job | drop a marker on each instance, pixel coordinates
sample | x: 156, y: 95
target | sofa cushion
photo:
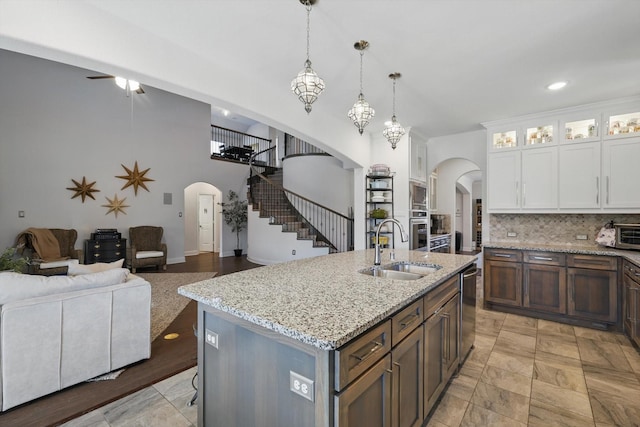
x: 16, y: 286
x: 56, y: 264
x: 148, y: 254
x: 78, y: 269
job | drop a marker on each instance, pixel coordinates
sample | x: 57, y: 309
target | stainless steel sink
x: 391, y: 274
x: 402, y: 270
x: 412, y: 267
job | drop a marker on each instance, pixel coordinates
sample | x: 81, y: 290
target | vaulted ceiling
x: 463, y: 62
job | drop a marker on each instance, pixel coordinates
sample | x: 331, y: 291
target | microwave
x: 418, y: 198
x: 628, y: 236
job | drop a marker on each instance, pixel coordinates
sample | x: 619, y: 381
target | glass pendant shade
x: 307, y: 86
x: 393, y: 132
x: 361, y: 113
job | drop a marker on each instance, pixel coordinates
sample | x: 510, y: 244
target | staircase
x: 269, y: 198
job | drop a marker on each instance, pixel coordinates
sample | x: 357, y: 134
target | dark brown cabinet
x: 503, y: 277
x: 104, y: 250
x: 367, y: 401
x: 573, y: 288
x: 592, y: 287
x: 545, y: 282
x: 407, y: 381
x: 441, y: 352
x: 631, y: 319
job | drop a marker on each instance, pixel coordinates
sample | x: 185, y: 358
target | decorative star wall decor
x: 83, y: 189
x: 135, y: 177
x: 115, y: 205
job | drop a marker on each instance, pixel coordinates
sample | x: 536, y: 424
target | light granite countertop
x: 322, y: 301
x: 633, y: 256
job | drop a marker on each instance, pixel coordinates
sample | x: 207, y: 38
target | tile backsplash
x: 552, y: 228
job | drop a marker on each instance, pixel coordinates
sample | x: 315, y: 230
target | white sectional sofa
x: 57, y: 331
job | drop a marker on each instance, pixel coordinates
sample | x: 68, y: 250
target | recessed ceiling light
x: 556, y: 85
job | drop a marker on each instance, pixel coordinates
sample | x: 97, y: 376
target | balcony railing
x: 296, y: 147
x: 229, y: 144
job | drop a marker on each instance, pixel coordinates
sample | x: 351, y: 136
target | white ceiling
x: 463, y: 62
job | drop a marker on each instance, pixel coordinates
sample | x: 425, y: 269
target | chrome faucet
x: 404, y: 236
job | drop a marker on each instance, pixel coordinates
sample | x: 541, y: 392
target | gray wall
x: 56, y: 125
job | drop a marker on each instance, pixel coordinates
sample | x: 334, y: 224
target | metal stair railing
x: 328, y: 226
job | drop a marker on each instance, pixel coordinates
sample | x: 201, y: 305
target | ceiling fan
x: 126, y: 84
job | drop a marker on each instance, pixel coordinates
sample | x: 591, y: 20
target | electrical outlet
x: 581, y: 237
x: 20, y: 214
x: 511, y: 234
x: 211, y: 338
x: 301, y: 385
x: 293, y: 252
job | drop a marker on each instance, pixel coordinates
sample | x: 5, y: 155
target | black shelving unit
x: 477, y: 223
x: 379, y: 194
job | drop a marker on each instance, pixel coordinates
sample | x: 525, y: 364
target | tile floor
x: 522, y: 372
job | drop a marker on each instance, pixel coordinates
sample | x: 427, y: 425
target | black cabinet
x: 104, y: 250
x: 379, y: 189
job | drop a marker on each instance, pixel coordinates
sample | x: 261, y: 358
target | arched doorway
x: 458, y: 182
x: 202, y: 219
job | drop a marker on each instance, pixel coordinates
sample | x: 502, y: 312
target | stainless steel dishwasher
x: 467, y: 311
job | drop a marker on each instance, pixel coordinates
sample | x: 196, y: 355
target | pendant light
x: 361, y: 112
x: 307, y: 85
x: 393, y: 130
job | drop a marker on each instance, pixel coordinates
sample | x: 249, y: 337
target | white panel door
x: 205, y: 222
x: 503, y: 181
x: 579, y: 176
x: 621, y: 173
x: 540, y: 178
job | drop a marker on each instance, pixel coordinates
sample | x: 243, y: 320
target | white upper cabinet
x: 582, y: 159
x: 503, y: 180
x: 418, y: 160
x: 579, y: 183
x: 621, y: 174
x: 539, y: 178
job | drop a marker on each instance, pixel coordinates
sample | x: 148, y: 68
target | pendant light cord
x: 361, y: 56
x: 308, y: 24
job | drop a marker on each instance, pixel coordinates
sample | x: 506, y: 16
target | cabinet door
x: 579, y: 176
x: 367, y: 401
x: 503, y: 181
x: 539, y: 178
x: 593, y: 294
x: 451, y: 313
x: 434, y: 352
x: 503, y: 282
x: 635, y: 314
x: 629, y: 299
x: 621, y: 173
x: 545, y: 288
x: 407, y: 381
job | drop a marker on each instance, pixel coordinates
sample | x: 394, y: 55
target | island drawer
x: 406, y: 320
x: 510, y: 255
x: 594, y: 262
x: 545, y: 258
x: 361, y: 353
x: 440, y: 295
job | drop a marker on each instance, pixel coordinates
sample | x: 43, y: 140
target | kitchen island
x: 302, y: 343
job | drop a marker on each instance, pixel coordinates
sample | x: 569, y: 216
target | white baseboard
x: 175, y: 260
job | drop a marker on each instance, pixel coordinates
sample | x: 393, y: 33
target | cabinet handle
x: 543, y: 258
x: 404, y: 323
x: 524, y: 194
x: 368, y: 352
x: 96, y: 246
x: 597, y: 190
x: 517, y: 191
x: 502, y: 255
x: 607, y: 191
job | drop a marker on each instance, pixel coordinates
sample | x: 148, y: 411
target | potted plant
x: 10, y: 262
x: 235, y: 215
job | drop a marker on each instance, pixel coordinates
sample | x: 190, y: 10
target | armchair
x: 66, y: 241
x: 145, y: 248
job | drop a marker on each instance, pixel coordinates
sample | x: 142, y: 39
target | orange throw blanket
x: 44, y: 243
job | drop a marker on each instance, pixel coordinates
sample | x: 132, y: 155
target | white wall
x: 321, y: 179
x: 56, y: 125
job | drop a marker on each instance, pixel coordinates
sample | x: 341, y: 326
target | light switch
x: 20, y: 214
